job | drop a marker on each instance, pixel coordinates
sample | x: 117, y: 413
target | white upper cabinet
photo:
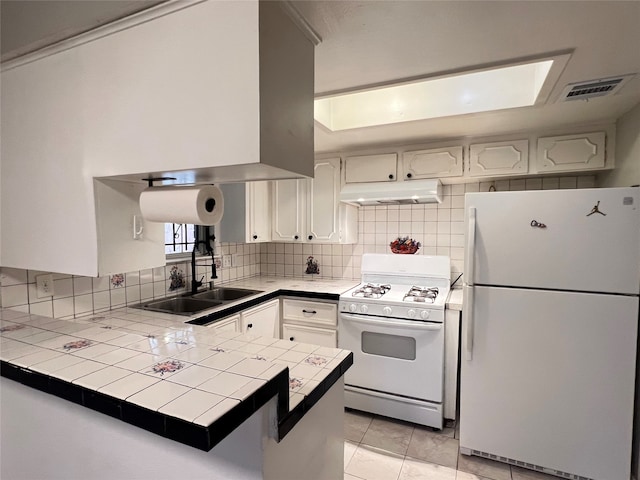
x: 310, y: 210
x: 371, y: 168
x: 568, y: 153
x: 432, y: 163
x: 247, y: 213
x: 499, y: 158
x: 289, y: 203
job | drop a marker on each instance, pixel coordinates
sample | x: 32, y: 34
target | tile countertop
x: 185, y: 382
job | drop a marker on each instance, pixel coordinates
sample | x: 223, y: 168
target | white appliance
x: 393, y: 322
x: 550, y: 316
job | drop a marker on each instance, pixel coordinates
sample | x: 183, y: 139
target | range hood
x: 392, y: 193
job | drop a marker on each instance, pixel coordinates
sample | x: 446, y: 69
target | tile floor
x: 380, y: 448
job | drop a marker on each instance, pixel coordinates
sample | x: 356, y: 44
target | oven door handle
x: 416, y: 325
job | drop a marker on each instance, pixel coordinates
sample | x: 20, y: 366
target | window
x: 179, y: 238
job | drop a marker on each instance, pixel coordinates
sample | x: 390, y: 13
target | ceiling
x: 371, y: 43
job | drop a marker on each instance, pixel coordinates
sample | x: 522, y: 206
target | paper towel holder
x: 157, y: 179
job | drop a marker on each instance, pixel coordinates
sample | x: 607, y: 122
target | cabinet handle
x: 255, y: 237
x: 312, y: 312
x: 250, y: 325
x: 391, y: 176
x: 310, y: 237
x: 409, y: 175
x: 291, y: 338
x: 296, y: 237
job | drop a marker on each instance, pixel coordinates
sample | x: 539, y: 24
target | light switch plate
x: 44, y: 285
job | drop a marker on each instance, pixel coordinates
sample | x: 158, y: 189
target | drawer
x: 315, y: 336
x: 319, y: 313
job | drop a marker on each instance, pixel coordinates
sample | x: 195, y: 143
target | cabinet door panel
x: 324, y: 203
x: 371, y: 168
x: 259, y: 226
x: 567, y: 153
x: 288, y: 208
x: 499, y: 158
x: 314, y: 336
x: 262, y: 320
x: 229, y: 324
x: 433, y: 163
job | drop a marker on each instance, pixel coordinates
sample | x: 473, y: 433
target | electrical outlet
x: 226, y: 261
x: 44, y: 285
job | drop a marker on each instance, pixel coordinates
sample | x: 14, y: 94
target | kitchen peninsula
x: 168, y: 386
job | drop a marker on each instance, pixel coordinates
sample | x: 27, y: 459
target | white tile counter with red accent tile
x: 185, y: 382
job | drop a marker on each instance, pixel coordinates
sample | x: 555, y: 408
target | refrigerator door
x: 551, y: 239
x: 551, y: 380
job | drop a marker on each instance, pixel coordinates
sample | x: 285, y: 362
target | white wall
x: 627, y: 170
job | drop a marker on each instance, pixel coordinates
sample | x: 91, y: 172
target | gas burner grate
x: 371, y: 290
x: 419, y: 294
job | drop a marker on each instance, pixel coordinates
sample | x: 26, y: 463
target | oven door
x: 400, y: 357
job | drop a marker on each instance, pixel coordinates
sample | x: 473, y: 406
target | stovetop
x: 420, y: 296
x: 404, y: 287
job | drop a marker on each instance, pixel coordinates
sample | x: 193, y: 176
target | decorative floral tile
x: 12, y: 328
x: 316, y: 361
x: 176, y: 276
x: 76, y: 345
x: 166, y: 367
x: 117, y: 280
x: 295, y: 384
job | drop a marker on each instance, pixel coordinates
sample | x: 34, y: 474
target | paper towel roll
x: 199, y: 204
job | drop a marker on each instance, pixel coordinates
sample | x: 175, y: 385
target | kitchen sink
x: 188, y: 303
x: 179, y: 305
x: 225, y: 294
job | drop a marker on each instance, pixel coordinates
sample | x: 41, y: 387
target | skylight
x: 480, y: 91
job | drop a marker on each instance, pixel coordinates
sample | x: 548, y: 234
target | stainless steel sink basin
x: 225, y: 294
x: 179, y: 305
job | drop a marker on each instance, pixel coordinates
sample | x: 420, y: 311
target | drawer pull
x: 250, y: 325
x: 291, y: 338
x: 311, y: 312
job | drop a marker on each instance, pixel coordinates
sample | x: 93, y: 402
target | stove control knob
x: 353, y: 307
x: 424, y: 314
x: 386, y: 310
x: 364, y: 309
x: 411, y: 313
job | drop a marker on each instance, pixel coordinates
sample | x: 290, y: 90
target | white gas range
x: 394, y: 324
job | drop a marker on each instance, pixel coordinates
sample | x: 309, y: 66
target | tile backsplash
x: 439, y: 228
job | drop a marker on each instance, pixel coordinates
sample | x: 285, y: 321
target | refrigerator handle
x: 469, y: 262
x: 467, y: 320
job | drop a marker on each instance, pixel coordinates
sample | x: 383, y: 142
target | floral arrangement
x: 404, y: 245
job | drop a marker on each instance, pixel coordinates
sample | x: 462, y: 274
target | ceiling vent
x: 594, y: 88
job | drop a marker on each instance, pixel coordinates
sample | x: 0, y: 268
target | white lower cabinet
x: 316, y: 336
x: 310, y: 321
x: 261, y: 320
x: 229, y: 324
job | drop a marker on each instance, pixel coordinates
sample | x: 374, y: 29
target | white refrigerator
x: 550, y: 319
